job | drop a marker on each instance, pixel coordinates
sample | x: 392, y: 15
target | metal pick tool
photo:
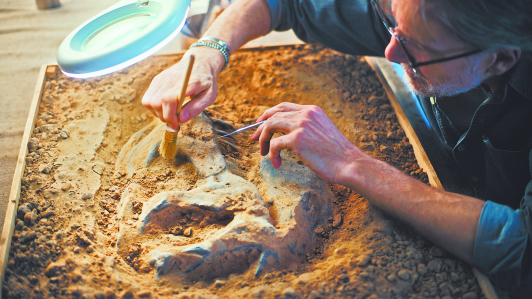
x: 242, y: 129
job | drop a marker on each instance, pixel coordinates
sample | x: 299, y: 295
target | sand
x: 65, y: 243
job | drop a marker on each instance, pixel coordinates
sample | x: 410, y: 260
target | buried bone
x: 233, y: 229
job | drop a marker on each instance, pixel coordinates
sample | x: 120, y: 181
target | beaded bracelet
x: 218, y: 41
x: 214, y: 45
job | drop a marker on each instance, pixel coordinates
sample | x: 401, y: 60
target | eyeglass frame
x: 411, y: 60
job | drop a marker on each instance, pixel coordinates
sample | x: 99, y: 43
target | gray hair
x: 487, y: 24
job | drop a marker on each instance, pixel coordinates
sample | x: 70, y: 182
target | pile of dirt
x: 65, y: 241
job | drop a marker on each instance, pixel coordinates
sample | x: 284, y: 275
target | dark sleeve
x: 502, y: 244
x: 348, y: 26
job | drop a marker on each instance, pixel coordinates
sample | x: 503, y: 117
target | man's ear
x: 504, y: 59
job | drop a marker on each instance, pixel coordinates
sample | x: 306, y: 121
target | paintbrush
x: 168, y: 147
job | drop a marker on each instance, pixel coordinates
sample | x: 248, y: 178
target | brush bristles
x: 168, y: 147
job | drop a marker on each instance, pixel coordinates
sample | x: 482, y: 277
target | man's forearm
x: 449, y: 220
x: 241, y: 22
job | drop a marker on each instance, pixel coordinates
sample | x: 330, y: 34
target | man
x: 468, y: 61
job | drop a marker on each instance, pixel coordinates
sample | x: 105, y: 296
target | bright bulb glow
x: 105, y: 39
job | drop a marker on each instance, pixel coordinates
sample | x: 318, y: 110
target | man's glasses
x: 411, y: 60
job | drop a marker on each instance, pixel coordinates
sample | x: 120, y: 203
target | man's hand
x: 161, y: 96
x: 311, y: 135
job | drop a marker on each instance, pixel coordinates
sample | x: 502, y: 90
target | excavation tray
x: 397, y: 93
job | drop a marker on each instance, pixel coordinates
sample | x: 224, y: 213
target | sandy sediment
x: 86, y: 195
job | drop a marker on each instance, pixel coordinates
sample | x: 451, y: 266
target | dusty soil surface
x: 64, y: 245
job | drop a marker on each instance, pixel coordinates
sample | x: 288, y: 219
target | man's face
x: 428, y: 39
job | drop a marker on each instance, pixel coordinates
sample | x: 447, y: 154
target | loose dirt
x: 65, y: 242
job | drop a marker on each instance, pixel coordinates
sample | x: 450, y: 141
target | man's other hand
x: 310, y: 134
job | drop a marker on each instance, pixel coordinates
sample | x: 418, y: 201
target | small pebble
x: 363, y: 260
x: 127, y: 294
x: 47, y: 194
x: 64, y: 134
x: 403, y: 274
x: 422, y: 269
x: 144, y: 294
x: 30, y: 218
x: 454, y: 276
x: 187, y: 232
x: 33, y: 144
x: 53, y: 270
x: 290, y: 293
x: 219, y: 283
x: 392, y: 277
x: 434, y: 266
x: 23, y: 209
x: 46, y: 170
x: 86, y: 196
x: 319, y: 230
x: 66, y: 186
x: 337, y: 221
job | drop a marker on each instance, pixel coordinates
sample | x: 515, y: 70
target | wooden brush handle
x: 183, y: 90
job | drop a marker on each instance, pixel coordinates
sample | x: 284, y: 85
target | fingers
x: 283, y: 107
x: 276, y: 146
x: 281, y: 124
x: 197, y: 105
x: 169, y: 108
x: 161, y: 98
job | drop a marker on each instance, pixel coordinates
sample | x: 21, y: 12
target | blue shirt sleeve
x: 502, y: 249
x: 351, y: 27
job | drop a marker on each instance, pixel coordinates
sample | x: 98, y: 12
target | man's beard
x: 452, y: 85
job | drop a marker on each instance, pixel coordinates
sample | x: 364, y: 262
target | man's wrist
x: 214, y: 43
x: 214, y: 56
x: 349, y: 170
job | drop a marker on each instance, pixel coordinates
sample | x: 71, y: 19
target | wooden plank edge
x: 386, y: 75
x: 14, y: 195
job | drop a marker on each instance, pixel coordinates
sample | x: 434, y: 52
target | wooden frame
x: 14, y: 195
x: 391, y: 82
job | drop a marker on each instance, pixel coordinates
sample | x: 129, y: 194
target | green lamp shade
x: 120, y: 36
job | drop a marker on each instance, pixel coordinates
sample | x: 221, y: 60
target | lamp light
x: 120, y: 36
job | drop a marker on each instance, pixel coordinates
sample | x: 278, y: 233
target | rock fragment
x: 403, y: 274
x: 46, y: 170
x: 376, y: 101
x: 66, y: 186
x: 33, y: 144
x: 86, y: 196
x: 30, y: 218
x: 23, y: 209
x: 219, y: 283
x: 64, y: 134
x: 290, y: 293
x: 363, y: 260
x: 319, y: 231
x: 337, y: 221
x: 53, y: 270
x: 434, y: 266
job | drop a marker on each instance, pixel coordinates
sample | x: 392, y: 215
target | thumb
x: 195, y: 106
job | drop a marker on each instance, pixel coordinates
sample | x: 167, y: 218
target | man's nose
x: 394, y: 52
